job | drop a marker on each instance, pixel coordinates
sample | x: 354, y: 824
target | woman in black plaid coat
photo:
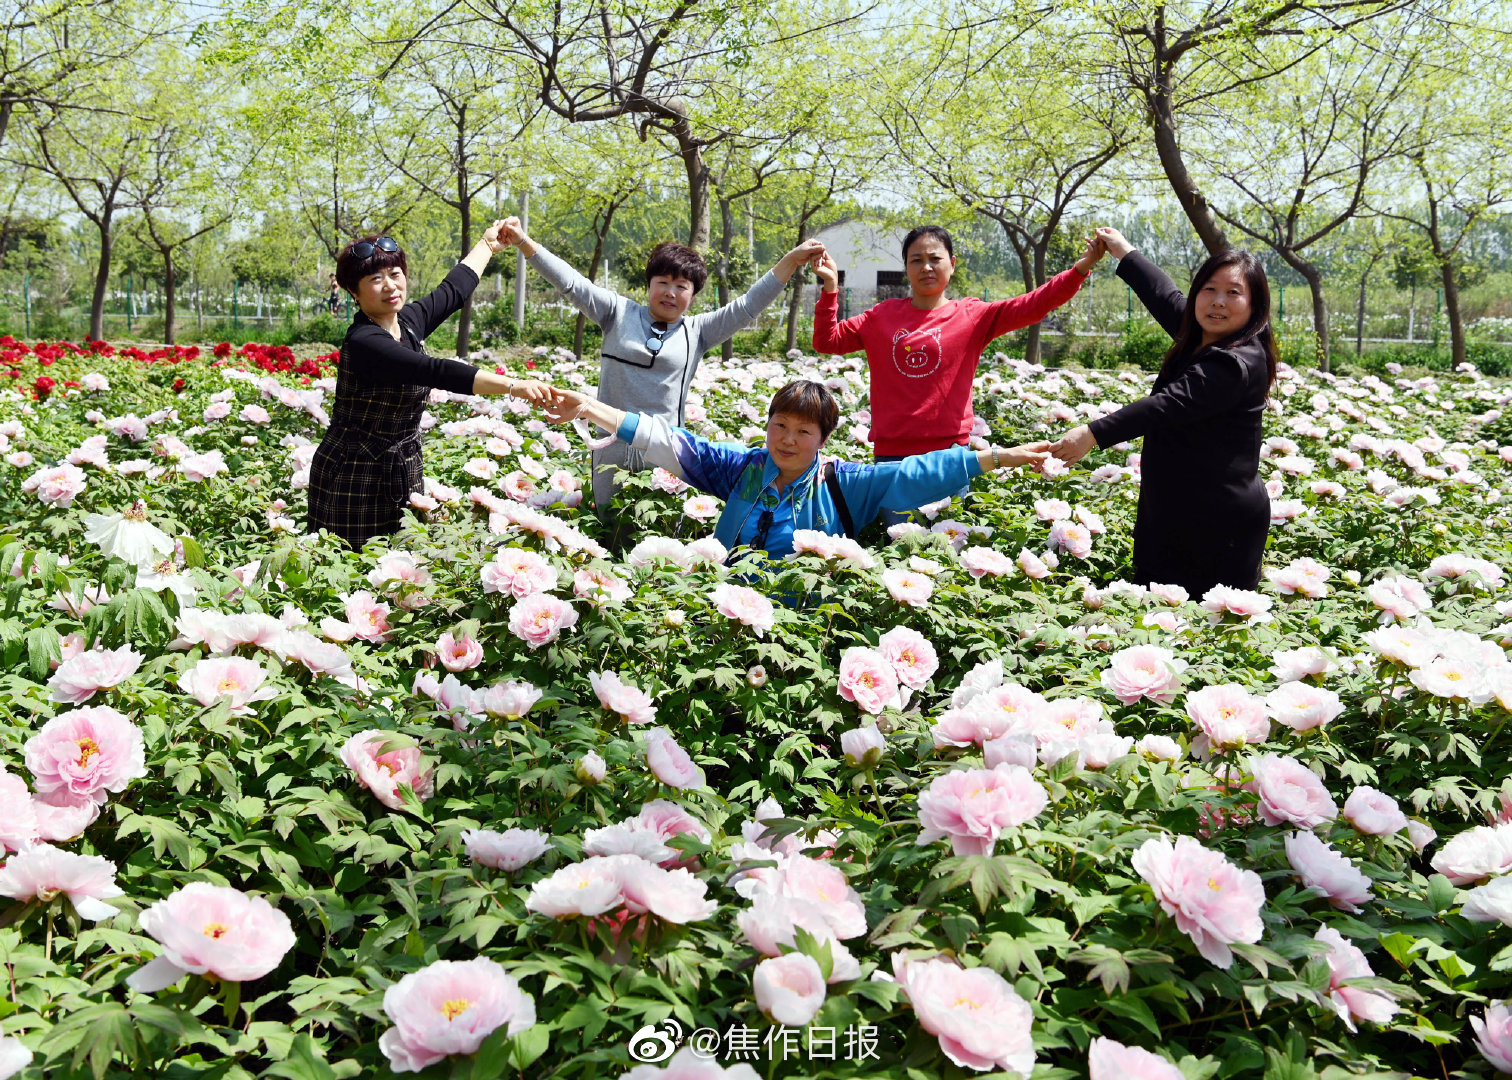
x: 369, y: 462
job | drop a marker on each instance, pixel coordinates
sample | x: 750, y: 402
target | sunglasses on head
x: 657, y: 339
x: 363, y: 249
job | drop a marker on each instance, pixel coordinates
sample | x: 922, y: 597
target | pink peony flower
x: 746, y: 606
x: 631, y: 704
x: 816, y: 881
x: 1478, y: 853
x: 509, y: 850
x: 61, y: 816
x: 1320, y: 867
x: 983, y: 562
x: 1420, y: 834
x: 232, y: 679
x: 509, y: 700
x: 458, y: 654
x: 669, y: 762
x: 599, y: 586
x: 57, y: 486
x: 82, y: 754
x: 80, y: 677
x: 1071, y: 538
x: 773, y: 921
x: 381, y: 770
x: 1035, y: 566
x: 913, y: 658
x: 212, y: 930
x: 1346, y: 962
x: 18, y: 817
x: 687, y: 1064
x: 540, y: 618
x: 1290, y: 792
x: 590, y: 888
x: 518, y: 573
x: 863, y: 746
x: 972, y: 807
x: 979, y: 1019
x: 1493, y: 1036
x: 1373, y: 813
x: 43, y: 872
x: 1400, y: 598
x: 1244, y: 604
x: 789, y: 989
x: 1214, y: 902
x: 1293, y: 665
x: 367, y: 616
x: 1109, y: 1060
x: 907, y: 587
x: 1051, y: 509
x: 1491, y: 902
x: 449, y: 1007
x: 1144, y: 671
x: 868, y: 678
x: 701, y: 507
x: 1229, y: 715
x: 1302, y: 707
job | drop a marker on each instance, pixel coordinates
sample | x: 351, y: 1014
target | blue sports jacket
x: 743, y: 477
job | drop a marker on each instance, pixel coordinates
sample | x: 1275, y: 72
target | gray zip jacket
x: 630, y: 377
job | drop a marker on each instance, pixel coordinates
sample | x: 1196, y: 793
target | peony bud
x: 590, y: 768
x: 757, y: 676
x: 863, y: 747
x: 674, y: 618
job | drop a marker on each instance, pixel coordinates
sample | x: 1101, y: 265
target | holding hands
x: 828, y: 272
x: 1073, y: 445
x: 805, y: 254
x: 1113, y: 241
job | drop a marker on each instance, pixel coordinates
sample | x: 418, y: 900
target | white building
x: 870, y: 260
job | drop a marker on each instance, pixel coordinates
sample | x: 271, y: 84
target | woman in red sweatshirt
x: 922, y: 352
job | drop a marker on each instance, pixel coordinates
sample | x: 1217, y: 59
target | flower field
x: 496, y: 800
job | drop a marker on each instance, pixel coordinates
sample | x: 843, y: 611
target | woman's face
x: 383, y: 293
x: 793, y: 442
x: 928, y: 265
x: 669, y: 297
x: 1222, y: 305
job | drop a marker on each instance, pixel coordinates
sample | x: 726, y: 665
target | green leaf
x: 306, y: 1061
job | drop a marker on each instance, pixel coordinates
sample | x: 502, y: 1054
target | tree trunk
x: 699, y: 184
x: 1360, y: 314
x: 1034, y: 277
x: 601, y: 236
x: 726, y: 238
x: 1411, y: 312
x: 795, y: 301
x: 464, y: 317
x: 1319, y: 304
x: 169, y: 296
x: 1452, y: 310
x: 1168, y: 148
x: 6, y: 108
x: 102, y: 279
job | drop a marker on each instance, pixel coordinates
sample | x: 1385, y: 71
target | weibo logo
x: 917, y: 353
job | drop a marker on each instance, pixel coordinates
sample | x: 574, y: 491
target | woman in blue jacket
x: 771, y: 491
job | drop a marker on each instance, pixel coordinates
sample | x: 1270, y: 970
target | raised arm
x: 1018, y: 312
x: 721, y: 325
x: 1154, y: 287
x: 598, y: 304
x: 830, y: 335
x: 433, y: 309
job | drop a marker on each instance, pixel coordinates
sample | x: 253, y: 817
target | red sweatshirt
x: 922, y: 362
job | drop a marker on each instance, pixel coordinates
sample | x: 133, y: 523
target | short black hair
x: 939, y: 232
x: 810, y: 400
x: 350, y: 270
x: 673, y: 260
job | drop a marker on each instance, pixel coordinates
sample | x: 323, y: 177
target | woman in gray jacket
x: 651, y: 350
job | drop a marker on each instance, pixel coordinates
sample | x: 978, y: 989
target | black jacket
x: 1203, y: 512
x: 369, y: 463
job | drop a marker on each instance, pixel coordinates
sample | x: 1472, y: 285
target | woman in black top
x: 368, y: 464
x: 1203, y: 512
